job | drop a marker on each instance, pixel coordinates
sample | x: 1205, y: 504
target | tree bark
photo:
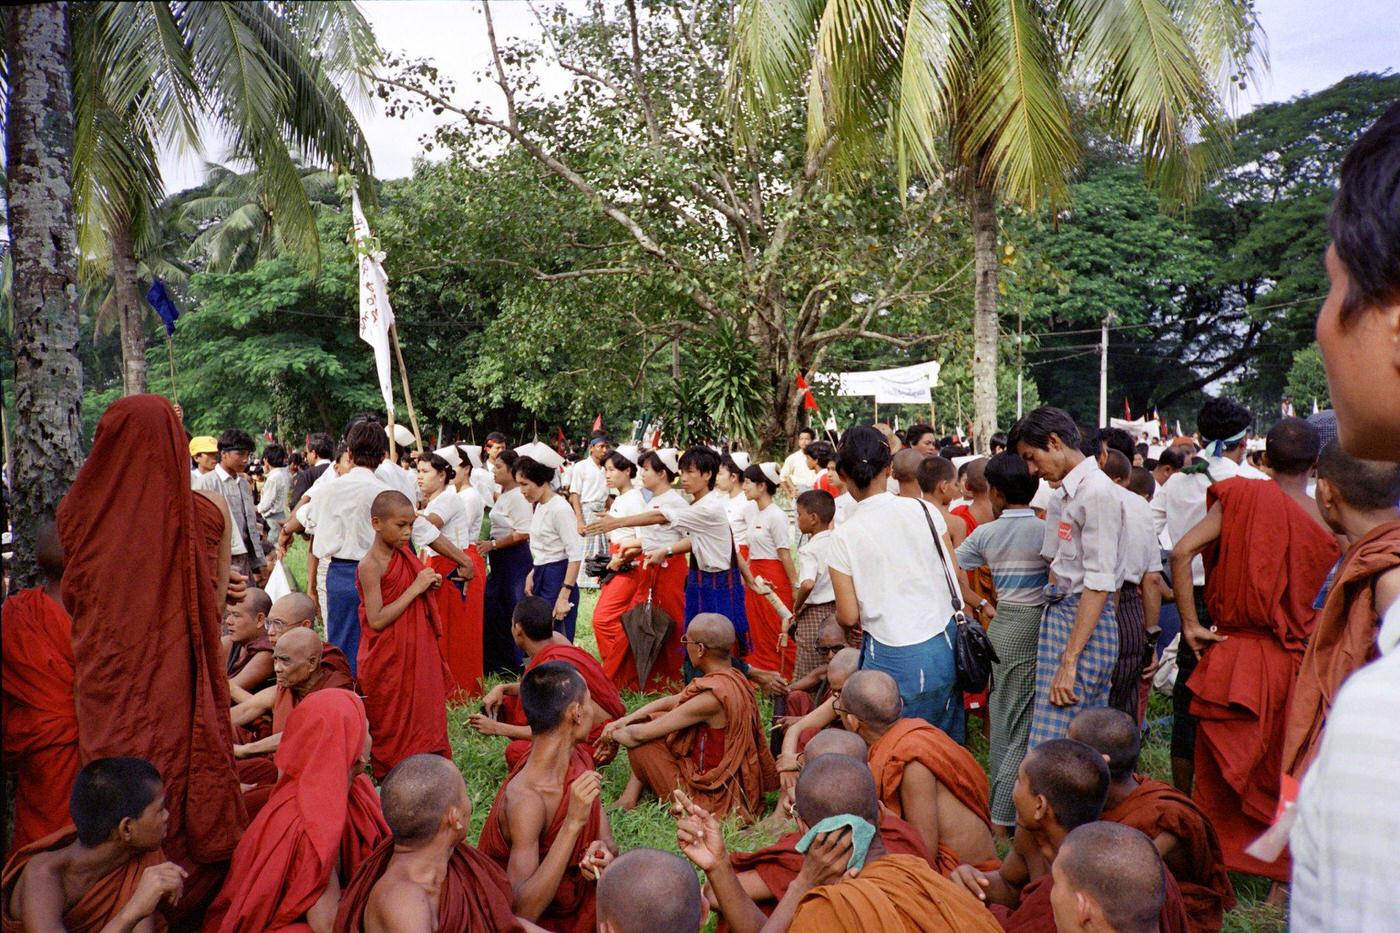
x: 985, y: 329
x: 48, y: 375
x: 131, y: 312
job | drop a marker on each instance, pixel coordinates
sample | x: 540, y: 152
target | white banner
x: 903, y: 385
x: 376, y: 316
x: 1140, y: 428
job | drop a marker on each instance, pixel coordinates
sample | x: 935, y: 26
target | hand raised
x: 583, y: 793
x: 971, y: 879
x: 163, y: 882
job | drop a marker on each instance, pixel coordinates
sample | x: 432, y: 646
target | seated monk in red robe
x: 249, y: 664
x: 708, y: 739
x: 1357, y: 500
x: 672, y: 902
x: 547, y: 827
x: 1109, y: 877
x: 1260, y: 603
x: 1183, y: 835
x: 532, y: 627
x: 402, y: 673
x: 426, y: 877
x: 797, y: 734
x: 37, y: 721
x: 890, y: 893
x: 297, y: 610
x: 104, y: 871
x: 322, y: 821
x: 921, y: 774
x: 766, y: 873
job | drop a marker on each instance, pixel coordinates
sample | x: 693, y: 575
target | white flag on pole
x: 376, y: 316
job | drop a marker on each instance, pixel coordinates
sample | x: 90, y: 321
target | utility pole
x: 1020, y: 360
x: 1103, y: 370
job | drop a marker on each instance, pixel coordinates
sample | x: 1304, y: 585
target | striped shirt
x: 1010, y: 545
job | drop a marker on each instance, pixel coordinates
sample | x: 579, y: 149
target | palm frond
x: 936, y: 48
x: 772, y: 51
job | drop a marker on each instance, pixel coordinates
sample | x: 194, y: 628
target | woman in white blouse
x: 461, y: 634
x: 556, y: 547
x: 619, y: 593
x: 770, y: 557
x: 730, y: 481
x: 509, y: 554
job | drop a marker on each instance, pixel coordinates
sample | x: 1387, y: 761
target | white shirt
x: 768, y: 531
x: 738, y: 508
x: 815, y: 555
x: 554, y: 533
x: 885, y: 547
x: 1041, y: 500
x: 451, y: 507
x: 484, y: 482
x: 273, y: 501
x: 625, y: 506
x: 706, y: 522
x: 588, y: 481
x: 341, y: 510
x: 1141, y: 555
x: 213, y: 482
x: 795, y: 468
x: 656, y: 537
x: 845, y: 505
x: 1180, y: 503
x: 476, y: 512
x: 511, y: 513
x: 1085, y: 536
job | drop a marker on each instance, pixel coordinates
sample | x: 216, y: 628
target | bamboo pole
x: 407, y: 395
x: 170, y: 351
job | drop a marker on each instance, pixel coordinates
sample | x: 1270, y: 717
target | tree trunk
x: 48, y: 375
x: 984, y: 322
x: 131, y: 312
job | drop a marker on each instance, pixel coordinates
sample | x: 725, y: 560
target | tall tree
x: 38, y: 170
x: 983, y: 86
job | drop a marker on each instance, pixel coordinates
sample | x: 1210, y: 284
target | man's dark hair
x: 1119, y: 440
x: 535, y: 616
x: 1118, y: 467
x: 360, y: 417
x: 824, y: 452
x: 998, y: 441
x: 1141, y: 482
x: 510, y: 458
x: 496, y: 437
x: 1110, y: 732
x: 1119, y: 868
x: 1365, y: 217
x: 653, y: 461
x: 1292, y: 446
x: 1172, y: 457
x: 1365, y: 485
x: 275, y: 455
x: 1007, y: 474
x: 1090, y: 441
x: 234, y: 439
x: 862, y: 455
x: 368, y: 444
x: 703, y: 460
x: 1142, y: 449
x: 1220, y: 418
x: 321, y: 444
x: 533, y: 470
x: 916, y: 433
x: 109, y: 790
x: 620, y: 463
x: 819, y: 503
x: 932, y: 471
x: 808, y: 431
x: 546, y: 691
x: 950, y: 450
x: 1035, y: 428
x: 296, y: 459
x: 1072, y: 777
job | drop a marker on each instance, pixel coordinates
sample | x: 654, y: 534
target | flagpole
x: 393, y: 448
x: 170, y: 351
x: 407, y: 395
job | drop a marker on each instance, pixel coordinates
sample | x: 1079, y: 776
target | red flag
x: 1127, y: 412
x: 598, y: 423
x: 808, y: 401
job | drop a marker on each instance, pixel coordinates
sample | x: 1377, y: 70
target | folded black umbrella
x: 647, y: 627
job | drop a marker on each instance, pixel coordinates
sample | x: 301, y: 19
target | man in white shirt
x: 1178, y: 506
x: 797, y: 474
x: 227, y: 479
x: 588, y: 497
x: 272, y: 503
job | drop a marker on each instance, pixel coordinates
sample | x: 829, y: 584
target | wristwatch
x: 982, y: 605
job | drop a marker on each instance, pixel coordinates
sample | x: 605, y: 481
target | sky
x: 1311, y: 46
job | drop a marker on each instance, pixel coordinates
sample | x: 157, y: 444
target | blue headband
x: 1217, y: 448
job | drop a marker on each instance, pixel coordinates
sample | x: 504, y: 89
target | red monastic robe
x: 1036, y: 915
x: 475, y: 895
x: 100, y: 903
x: 600, y: 688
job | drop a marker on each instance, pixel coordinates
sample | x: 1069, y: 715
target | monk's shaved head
x: 417, y: 794
x: 256, y: 601
x: 1118, y: 868
x: 1112, y: 733
x: 840, y: 668
x: 833, y: 785
x: 48, y: 551
x: 831, y: 633
x: 547, y: 691
x: 389, y: 502
x: 291, y: 611
x: 649, y: 891
x: 300, y: 643
x: 1071, y: 776
x: 712, y: 630
x: 905, y: 465
x: 975, y: 476
x: 835, y: 742
x: 872, y: 697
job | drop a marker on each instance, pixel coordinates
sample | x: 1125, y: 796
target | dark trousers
x: 1183, y: 723
x: 504, y: 588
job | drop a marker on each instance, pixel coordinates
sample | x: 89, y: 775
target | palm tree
x: 238, y: 221
x: 270, y: 77
x: 984, y: 87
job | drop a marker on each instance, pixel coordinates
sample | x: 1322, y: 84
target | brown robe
x: 893, y: 894
x: 99, y: 903
x: 1036, y: 915
x: 734, y: 781
x: 475, y: 895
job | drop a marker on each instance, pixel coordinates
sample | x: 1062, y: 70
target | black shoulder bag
x: 972, y: 649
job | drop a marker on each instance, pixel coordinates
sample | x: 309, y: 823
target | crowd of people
x: 198, y: 745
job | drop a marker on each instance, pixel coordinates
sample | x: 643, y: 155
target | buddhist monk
x: 1357, y: 499
x: 811, y: 689
x: 795, y: 736
x: 105, y: 871
x: 672, y: 903
x: 1182, y: 834
x: 426, y: 877
x: 1260, y: 603
x: 765, y: 874
x: 322, y: 820
x: 848, y: 879
x: 249, y: 666
x: 1108, y: 879
x: 708, y: 739
x: 298, y: 610
x: 402, y: 673
x: 547, y: 827
x: 532, y: 627
x: 920, y: 773
x: 40, y: 726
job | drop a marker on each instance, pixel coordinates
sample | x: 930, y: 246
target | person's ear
x: 124, y: 829
x: 1326, y: 495
x: 1083, y: 909
x: 1392, y: 326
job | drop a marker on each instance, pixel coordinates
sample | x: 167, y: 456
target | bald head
x: 840, y: 668
x: 1118, y: 869
x: 671, y: 900
x: 831, y: 634
x: 256, y: 601
x: 295, y: 610
x: 418, y: 793
x: 301, y: 644
x: 833, y: 785
x: 1071, y: 777
x: 388, y: 503
x: 48, y: 551
x: 873, y: 698
x: 835, y: 742
x: 1113, y: 734
x: 905, y: 466
x: 712, y: 630
x: 975, y: 476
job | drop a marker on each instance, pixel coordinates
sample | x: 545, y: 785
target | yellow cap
x: 204, y: 444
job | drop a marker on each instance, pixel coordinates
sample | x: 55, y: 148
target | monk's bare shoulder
x: 524, y: 812
x: 39, y: 898
x: 397, y: 904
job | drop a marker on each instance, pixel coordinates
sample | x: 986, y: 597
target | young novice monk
x: 402, y: 673
x: 106, y: 871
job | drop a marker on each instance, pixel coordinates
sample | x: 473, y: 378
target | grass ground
x: 481, y: 761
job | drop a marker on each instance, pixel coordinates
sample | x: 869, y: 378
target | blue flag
x: 159, y: 299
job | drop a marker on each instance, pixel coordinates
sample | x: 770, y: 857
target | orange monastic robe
x: 910, y: 740
x: 98, y: 905
x: 893, y: 894
x: 723, y: 770
x: 40, y: 726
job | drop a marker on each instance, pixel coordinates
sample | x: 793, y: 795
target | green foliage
x: 1307, y: 380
